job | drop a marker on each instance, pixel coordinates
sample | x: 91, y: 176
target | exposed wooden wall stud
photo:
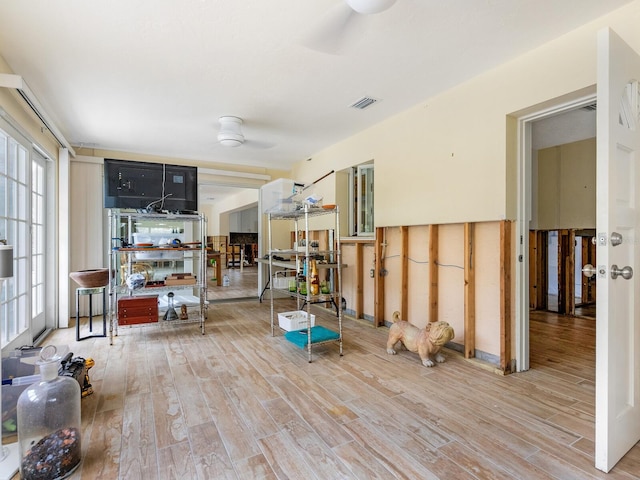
x: 433, y: 273
x: 505, y: 296
x: 404, y: 254
x: 359, y: 269
x: 469, y: 293
x: 378, y: 320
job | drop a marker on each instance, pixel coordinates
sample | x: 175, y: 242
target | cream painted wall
x: 448, y: 159
x: 219, y: 219
x: 566, y: 193
x: 87, y: 218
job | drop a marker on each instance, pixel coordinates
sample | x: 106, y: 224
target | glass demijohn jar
x: 49, y: 423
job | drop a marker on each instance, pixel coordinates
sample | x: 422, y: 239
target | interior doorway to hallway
x: 233, y: 240
x: 556, y: 211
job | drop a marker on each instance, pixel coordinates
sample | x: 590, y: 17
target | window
x: 361, y: 197
x: 22, y: 224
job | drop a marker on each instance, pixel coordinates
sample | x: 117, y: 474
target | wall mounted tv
x: 150, y: 187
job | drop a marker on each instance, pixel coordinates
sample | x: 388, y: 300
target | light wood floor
x: 242, y: 284
x: 238, y: 403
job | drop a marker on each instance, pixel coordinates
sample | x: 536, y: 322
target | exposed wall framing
x: 359, y: 269
x: 538, y: 260
x: 378, y: 319
x: 469, y: 293
x: 505, y: 296
x: 400, y: 269
x: 404, y: 265
x: 566, y: 251
x: 588, y: 284
x: 433, y: 273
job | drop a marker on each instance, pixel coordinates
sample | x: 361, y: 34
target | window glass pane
x: 20, y: 248
x: 23, y: 316
x: 22, y: 165
x: 12, y: 158
x: 23, y: 278
x: 365, y: 199
x: 38, y: 178
x: 38, y: 235
x: 3, y: 197
x: 3, y: 153
x: 22, y: 202
x: 4, y: 293
x: 37, y: 303
x: 11, y: 198
x: 38, y: 261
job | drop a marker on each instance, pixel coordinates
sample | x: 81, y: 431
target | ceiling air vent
x: 363, y: 103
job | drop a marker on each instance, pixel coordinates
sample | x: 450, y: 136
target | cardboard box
x: 180, y: 279
x: 296, y: 320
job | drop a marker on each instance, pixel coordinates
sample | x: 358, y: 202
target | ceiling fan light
x: 230, y: 140
x: 368, y: 7
x: 230, y: 134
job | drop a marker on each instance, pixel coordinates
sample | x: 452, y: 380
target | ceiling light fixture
x: 370, y: 6
x: 230, y: 134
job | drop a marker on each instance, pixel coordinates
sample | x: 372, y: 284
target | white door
x: 618, y: 237
x: 38, y: 244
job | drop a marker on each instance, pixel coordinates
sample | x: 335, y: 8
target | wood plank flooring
x: 237, y: 403
x: 242, y: 284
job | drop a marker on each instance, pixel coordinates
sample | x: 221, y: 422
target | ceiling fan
x: 343, y: 24
x: 369, y: 7
x: 230, y: 134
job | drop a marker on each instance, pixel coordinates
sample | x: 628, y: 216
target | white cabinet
x: 169, y: 251
x: 329, y: 265
x: 245, y: 221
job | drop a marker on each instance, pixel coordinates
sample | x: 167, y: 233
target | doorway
x: 553, y: 196
x: 233, y: 240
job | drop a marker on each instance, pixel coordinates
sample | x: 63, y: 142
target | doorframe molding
x: 525, y: 120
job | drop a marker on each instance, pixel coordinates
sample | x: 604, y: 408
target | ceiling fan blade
x: 258, y: 144
x: 338, y: 30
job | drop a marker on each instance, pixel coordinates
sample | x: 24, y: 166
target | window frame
x: 358, y: 225
x: 21, y: 226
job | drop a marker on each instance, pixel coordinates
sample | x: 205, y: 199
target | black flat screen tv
x: 150, y: 187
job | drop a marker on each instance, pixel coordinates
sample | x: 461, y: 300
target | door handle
x: 616, y: 239
x: 588, y: 270
x: 626, y: 272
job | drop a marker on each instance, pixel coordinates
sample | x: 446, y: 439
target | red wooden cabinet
x: 135, y: 310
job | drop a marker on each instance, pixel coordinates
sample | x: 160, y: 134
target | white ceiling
x: 568, y: 127
x: 153, y: 76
